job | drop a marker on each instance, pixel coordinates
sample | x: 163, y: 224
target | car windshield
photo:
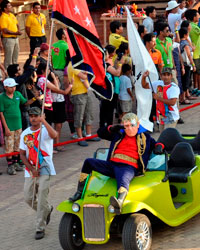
x: 157, y: 163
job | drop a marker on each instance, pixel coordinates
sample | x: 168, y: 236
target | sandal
x: 194, y: 91
x: 198, y: 93
x: 83, y: 143
x: 60, y: 149
x: 191, y: 97
x: 185, y: 102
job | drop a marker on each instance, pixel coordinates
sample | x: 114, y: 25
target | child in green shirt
x: 10, y: 101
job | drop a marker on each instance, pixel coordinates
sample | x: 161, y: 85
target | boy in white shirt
x: 166, y: 93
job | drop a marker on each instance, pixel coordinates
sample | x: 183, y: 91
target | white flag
x: 143, y: 61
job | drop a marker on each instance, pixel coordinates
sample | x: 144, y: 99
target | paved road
x: 17, y: 219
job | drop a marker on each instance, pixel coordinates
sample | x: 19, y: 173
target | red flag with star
x: 85, y: 49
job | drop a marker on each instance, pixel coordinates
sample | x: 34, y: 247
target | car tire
x: 137, y: 233
x: 70, y: 232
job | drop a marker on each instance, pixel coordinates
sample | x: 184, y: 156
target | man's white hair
x: 131, y: 117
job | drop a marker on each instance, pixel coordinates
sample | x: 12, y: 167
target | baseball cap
x: 9, y: 82
x: 34, y: 111
x: 172, y: 5
x: 44, y: 46
x: 166, y: 70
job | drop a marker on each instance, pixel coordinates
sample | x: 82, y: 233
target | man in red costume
x: 129, y: 152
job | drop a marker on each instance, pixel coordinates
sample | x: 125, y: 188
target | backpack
x: 116, y: 82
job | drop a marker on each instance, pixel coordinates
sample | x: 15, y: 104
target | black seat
x: 181, y: 162
x: 171, y: 136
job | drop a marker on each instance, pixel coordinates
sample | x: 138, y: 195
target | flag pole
x: 150, y: 84
x: 43, y: 103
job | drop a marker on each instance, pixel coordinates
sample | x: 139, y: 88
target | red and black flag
x: 85, y: 49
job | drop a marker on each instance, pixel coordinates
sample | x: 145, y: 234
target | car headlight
x: 75, y: 207
x: 111, y: 209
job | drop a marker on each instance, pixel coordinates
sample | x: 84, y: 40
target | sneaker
x: 180, y: 121
x: 49, y: 216
x: 60, y: 149
x: 194, y: 91
x: 74, y: 136
x: 18, y: 167
x: 39, y: 235
x: 83, y: 143
x: 198, y: 93
x: 11, y: 170
x: 84, y: 133
x: 93, y: 139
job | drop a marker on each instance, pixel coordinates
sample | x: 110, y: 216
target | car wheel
x: 137, y: 233
x: 70, y: 232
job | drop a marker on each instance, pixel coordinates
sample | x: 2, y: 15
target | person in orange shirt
x: 150, y: 43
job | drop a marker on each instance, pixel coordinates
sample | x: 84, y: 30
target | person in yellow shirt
x: 115, y: 37
x: 10, y: 32
x: 35, y: 27
x: 82, y: 101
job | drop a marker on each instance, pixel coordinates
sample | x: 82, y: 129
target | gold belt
x: 125, y: 157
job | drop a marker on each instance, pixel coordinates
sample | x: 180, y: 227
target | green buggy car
x: 169, y: 190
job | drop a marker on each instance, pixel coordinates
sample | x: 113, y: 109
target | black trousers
x: 186, y: 78
x: 107, y: 111
x: 36, y: 42
x: 49, y: 115
x: 153, y: 110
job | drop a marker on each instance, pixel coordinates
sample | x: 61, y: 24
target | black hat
x: 34, y: 111
x: 166, y: 70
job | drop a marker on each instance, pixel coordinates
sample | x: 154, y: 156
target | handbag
x: 185, y: 58
x: 184, y: 55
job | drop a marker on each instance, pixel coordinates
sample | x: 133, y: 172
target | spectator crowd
x: 173, y: 43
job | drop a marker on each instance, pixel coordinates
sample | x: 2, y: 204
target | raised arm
x: 145, y: 84
x: 51, y: 131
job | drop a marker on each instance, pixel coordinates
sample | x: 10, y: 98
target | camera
x: 119, y: 56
